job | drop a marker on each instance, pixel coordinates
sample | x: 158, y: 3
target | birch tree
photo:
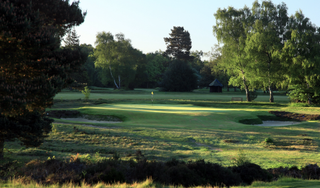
x: 231, y: 30
x: 118, y: 57
x: 264, y: 43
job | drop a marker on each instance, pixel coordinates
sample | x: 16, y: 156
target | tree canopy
x: 231, y: 29
x: 33, y: 68
x: 264, y: 48
x: 179, y: 44
x: 118, y: 59
x: 179, y: 76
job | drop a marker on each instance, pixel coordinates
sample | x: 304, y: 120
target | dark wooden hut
x: 215, y: 86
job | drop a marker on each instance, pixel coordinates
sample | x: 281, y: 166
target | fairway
x: 145, y: 94
x: 161, y: 108
x: 187, y: 131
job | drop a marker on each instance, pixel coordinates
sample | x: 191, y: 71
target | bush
x: 268, y: 140
x: 179, y: 76
x: 86, y: 92
x: 253, y: 95
x: 250, y: 172
x: 173, y: 172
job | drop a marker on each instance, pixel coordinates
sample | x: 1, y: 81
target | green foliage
x: 120, y: 62
x: 156, y: 65
x: 231, y: 29
x: 253, y: 95
x: 179, y: 76
x: 269, y: 140
x: 179, y: 44
x: 264, y: 43
x: 264, y: 48
x: 300, y: 56
x: 241, y: 159
x: 86, y: 92
x: 33, y: 67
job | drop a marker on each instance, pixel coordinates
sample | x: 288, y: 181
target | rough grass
x: 282, y: 182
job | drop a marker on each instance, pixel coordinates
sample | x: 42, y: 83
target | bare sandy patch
x: 81, y: 119
x: 277, y: 123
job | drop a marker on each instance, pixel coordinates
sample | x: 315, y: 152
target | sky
x: 147, y: 22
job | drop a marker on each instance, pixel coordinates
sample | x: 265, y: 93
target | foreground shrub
x: 311, y: 171
x: 250, y: 172
x: 214, y: 174
x: 52, y: 171
x: 173, y: 172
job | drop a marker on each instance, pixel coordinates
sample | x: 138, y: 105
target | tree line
x: 264, y: 48
x: 113, y: 62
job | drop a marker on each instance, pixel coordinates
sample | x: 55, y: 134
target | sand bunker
x: 277, y: 123
x: 80, y: 119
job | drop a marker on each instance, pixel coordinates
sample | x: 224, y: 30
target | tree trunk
x: 271, y: 95
x: 235, y: 89
x: 1, y: 147
x: 227, y: 88
x: 247, y: 93
x: 309, y: 98
x: 246, y: 89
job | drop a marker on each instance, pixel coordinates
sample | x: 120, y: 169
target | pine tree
x: 179, y: 44
x: 32, y: 66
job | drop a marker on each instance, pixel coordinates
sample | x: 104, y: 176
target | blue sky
x: 147, y: 22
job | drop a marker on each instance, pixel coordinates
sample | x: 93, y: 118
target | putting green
x: 165, y: 108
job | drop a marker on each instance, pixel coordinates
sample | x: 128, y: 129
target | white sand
x: 277, y: 123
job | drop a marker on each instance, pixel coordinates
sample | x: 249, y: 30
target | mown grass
x: 185, y: 126
x: 145, y: 94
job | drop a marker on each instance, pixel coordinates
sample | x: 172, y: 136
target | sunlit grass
x: 141, y: 94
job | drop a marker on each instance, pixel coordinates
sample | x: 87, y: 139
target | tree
x: 80, y: 77
x: 264, y: 43
x: 33, y: 68
x: 197, y: 63
x: 231, y: 29
x: 301, y: 59
x: 118, y: 59
x: 155, y: 67
x: 179, y: 76
x: 90, y: 69
x: 72, y: 39
x: 179, y: 44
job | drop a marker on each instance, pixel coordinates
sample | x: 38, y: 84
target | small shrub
x: 242, y: 159
x: 253, y: 95
x: 86, y: 92
x: 269, y: 140
x: 311, y: 171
